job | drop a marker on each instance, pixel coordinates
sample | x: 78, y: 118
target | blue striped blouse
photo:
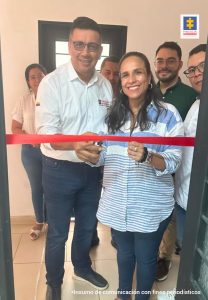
x: 137, y: 197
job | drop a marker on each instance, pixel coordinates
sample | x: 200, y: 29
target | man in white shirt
x: 194, y: 73
x: 73, y: 100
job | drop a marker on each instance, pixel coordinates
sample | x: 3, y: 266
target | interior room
x: 148, y: 25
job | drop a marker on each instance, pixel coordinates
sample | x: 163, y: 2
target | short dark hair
x: 197, y: 49
x: 32, y: 66
x: 85, y: 23
x: 170, y: 45
x: 111, y: 58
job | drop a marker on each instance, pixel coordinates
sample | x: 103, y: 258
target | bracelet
x: 144, y: 156
x: 147, y: 157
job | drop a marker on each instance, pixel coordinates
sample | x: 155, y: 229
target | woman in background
x: 23, y: 122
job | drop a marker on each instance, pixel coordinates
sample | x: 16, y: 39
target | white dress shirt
x: 70, y: 106
x: 182, y: 176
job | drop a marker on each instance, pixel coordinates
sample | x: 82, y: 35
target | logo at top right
x: 189, y: 26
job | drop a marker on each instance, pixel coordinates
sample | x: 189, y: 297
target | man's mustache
x: 165, y: 70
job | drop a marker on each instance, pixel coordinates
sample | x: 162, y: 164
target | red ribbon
x: 57, y: 138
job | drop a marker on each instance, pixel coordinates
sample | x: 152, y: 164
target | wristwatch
x: 147, y: 157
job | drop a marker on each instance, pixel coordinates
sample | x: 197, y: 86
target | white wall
x: 149, y: 22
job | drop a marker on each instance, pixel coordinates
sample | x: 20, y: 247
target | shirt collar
x: 126, y: 126
x: 171, y: 87
x: 72, y: 75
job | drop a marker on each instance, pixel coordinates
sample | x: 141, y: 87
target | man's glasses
x: 91, y: 47
x: 190, y: 72
x: 169, y: 61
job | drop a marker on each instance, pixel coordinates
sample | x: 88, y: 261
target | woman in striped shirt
x: 137, y: 200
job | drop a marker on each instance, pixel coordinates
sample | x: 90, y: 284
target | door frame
x: 192, y: 250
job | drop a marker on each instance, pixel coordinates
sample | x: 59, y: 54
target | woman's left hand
x: 136, y: 150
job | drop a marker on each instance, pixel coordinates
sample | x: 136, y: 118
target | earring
x: 150, y: 85
x: 121, y: 91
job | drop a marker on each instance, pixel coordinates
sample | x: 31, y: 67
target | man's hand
x: 88, y: 151
x: 36, y: 145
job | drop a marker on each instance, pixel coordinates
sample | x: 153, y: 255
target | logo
x: 189, y: 26
x: 104, y: 103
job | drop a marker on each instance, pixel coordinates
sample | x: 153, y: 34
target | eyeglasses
x: 190, y: 72
x: 91, y: 47
x: 168, y: 61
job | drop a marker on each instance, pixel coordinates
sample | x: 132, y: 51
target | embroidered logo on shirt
x: 104, y: 103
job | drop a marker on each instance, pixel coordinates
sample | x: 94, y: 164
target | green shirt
x: 181, y: 96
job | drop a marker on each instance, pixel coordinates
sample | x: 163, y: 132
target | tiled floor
x: 29, y: 269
